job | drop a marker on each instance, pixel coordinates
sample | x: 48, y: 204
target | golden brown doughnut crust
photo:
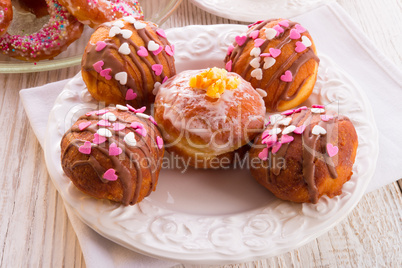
x: 303, y: 65
x: 285, y: 172
x: 6, y: 11
x: 205, y: 131
x: 137, y: 167
x: 100, y: 66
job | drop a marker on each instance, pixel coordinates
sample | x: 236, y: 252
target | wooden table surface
x: 35, y: 230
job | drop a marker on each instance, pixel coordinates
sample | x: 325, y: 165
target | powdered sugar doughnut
x: 53, y: 38
x: 96, y: 12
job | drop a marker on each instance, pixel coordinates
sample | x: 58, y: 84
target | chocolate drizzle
x: 135, y: 64
x: 311, y: 149
x: 131, y: 185
x: 295, y: 60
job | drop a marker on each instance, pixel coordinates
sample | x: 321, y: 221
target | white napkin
x: 335, y: 35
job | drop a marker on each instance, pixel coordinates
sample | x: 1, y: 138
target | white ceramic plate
x: 254, y: 10
x: 216, y: 216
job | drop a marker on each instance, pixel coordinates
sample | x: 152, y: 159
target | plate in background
x: 156, y: 11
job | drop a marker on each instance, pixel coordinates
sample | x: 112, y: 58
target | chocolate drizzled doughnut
x: 113, y: 154
x: 304, y: 154
x: 277, y: 57
x: 125, y: 60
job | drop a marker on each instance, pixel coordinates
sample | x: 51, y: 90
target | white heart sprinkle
x: 121, y: 77
x: 142, y: 115
x: 130, y: 139
x: 114, y: 30
x: 104, y: 132
x: 274, y: 131
x: 317, y: 130
x: 288, y: 129
x: 257, y: 73
x: 125, y: 49
x: 306, y: 41
x: 152, y: 46
x: 129, y: 19
x: 139, y: 25
x: 255, y: 63
x: 262, y: 92
x: 126, y: 33
x: 121, y: 107
x: 268, y: 62
x: 274, y: 118
x: 317, y: 110
x: 156, y: 88
x: 118, y: 23
x: 255, y: 52
x: 109, y: 116
x: 285, y: 122
x: 270, y: 33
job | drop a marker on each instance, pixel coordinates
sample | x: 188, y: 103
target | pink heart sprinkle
x: 230, y: 50
x: 284, y: 23
x: 300, y: 28
x: 332, y: 150
x: 255, y: 23
x: 169, y: 50
x: 106, y: 73
x: 156, y: 52
x: 142, y: 52
x: 258, y: 42
x: 98, y: 66
x: 90, y: 113
x: 100, y: 45
x: 276, y: 147
x: 255, y: 34
x: 287, y: 77
x: 136, y: 125
x: 98, y: 139
x: 229, y: 66
x: 130, y: 94
x: 159, y: 142
x: 86, y: 148
x: 294, y: 34
x: 141, y: 110
x: 101, y: 112
x: 118, y: 126
x: 300, y: 47
x: 270, y: 140
x: 326, y: 117
x: 265, y: 134
x: 157, y: 68
x: 288, y: 112
x: 165, y: 79
x: 274, y: 52
x: 286, y: 138
x: 141, y: 131
x: 263, y: 155
x: 161, y: 32
x: 110, y: 175
x: 278, y: 29
x: 299, y: 130
x: 84, y: 125
x: 318, y: 106
x: 301, y: 109
x: 153, y: 120
x: 114, y: 149
x: 104, y: 123
x: 240, y: 40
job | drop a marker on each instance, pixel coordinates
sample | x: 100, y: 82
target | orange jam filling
x: 214, y: 81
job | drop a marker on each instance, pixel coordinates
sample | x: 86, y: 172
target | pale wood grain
x: 34, y: 227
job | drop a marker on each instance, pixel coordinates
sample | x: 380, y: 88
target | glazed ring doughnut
x: 52, y: 39
x: 96, y: 12
x: 6, y: 15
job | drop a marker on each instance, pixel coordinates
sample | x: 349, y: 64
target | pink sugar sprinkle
x: 288, y: 112
x: 318, y: 106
